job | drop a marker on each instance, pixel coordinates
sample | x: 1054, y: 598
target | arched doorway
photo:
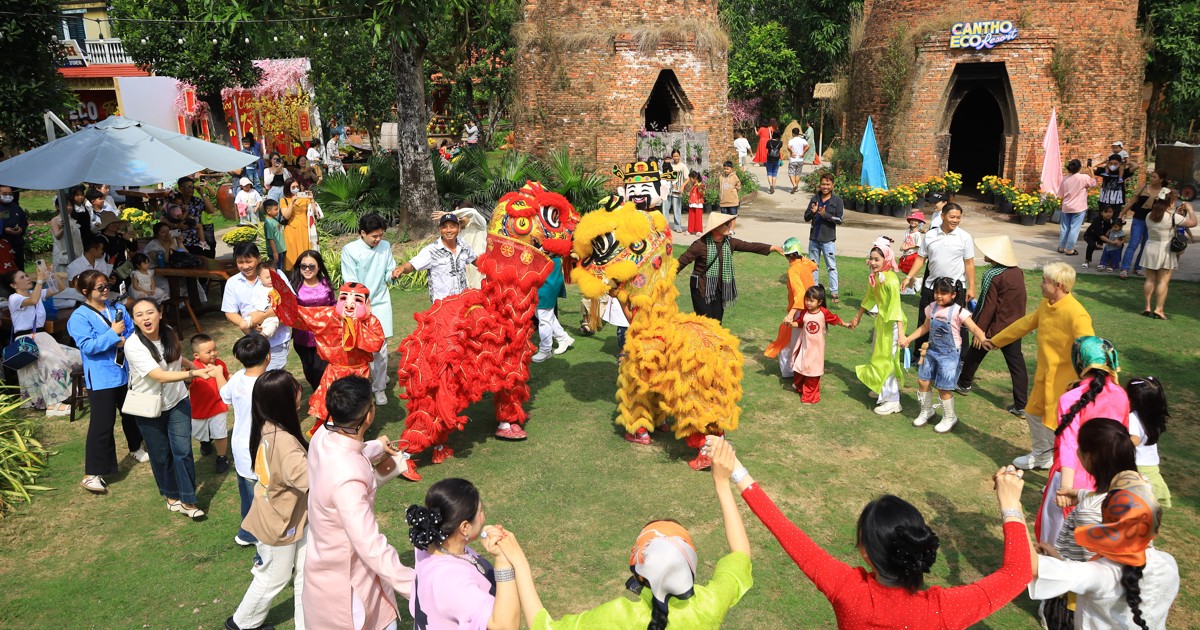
x: 667, y: 108
x: 976, y: 137
x: 979, y: 127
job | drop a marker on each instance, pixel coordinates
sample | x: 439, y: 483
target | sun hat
x: 666, y: 559
x: 716, y: 220
x: 245, y: 181
x: 793, y: 245
x: 1118, y: 143
x: 108, y: 218
x: 998, y: 249
x: 918, y: 215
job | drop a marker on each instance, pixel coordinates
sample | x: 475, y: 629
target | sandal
x: 1147, y: 313
x: 1124, y: 274
x: 835, y: 298
x: 1071, y: 253
x: 1158, y: 316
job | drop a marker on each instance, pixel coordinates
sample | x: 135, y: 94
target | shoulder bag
x: 142, y: 404
x: 1178, y: 241
x: 19, y: 353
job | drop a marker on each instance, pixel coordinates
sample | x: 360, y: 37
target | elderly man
x: 950, y: 251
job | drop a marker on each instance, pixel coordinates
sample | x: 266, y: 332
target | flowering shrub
x: 953, y: 181
x: 1027, y: 204
x: 1050, y: 203
x: 241, y: 234
x: 904, y: 195
x: 142, y: 222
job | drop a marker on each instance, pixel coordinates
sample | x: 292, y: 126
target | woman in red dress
x: 764, y: 134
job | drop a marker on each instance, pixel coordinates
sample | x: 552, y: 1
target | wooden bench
x: 56, y: 326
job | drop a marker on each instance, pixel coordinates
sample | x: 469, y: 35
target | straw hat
x: 716, y: 220
x: 108, y: 218
x: 998, y: 249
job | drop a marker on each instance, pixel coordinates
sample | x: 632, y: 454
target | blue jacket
x: 553, y: 288
x: 98, y: 344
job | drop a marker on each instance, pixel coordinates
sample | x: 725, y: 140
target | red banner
x: 189, y: 102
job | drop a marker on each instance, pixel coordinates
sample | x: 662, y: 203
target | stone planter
x: 1028, y: 219
x: 1042, y: 218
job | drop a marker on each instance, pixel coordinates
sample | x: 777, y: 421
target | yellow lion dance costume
x: 677, y: 364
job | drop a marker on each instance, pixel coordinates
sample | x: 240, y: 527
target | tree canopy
x: 29, y: 80
x: 1172, y: 66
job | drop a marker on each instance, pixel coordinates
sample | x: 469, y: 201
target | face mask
x: 1112, y: 168
x: 6, y: 198
x: 295, y: 191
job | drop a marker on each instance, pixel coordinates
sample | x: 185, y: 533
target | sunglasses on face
x: 308, y: 267
x: 103, y: 287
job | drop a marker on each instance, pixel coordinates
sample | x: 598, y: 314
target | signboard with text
x: 982, y: 35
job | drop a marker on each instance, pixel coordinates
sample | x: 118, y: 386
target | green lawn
x: 577, y: 494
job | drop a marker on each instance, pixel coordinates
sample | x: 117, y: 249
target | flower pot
x: 872, y: 207
x: 989, y: 198
x: 851, y: 204
x: 1028, y: 219
x: 1041, y: 218
x: 899, y: 211
x: 1004, y: 205
x: 919, y: 204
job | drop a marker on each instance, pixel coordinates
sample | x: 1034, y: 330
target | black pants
x: 100, y: 450
x: 960, y: 298
x: 1093, y: 244
x: 313, y: 364
x: 714, y: 309
x: 972, y: 357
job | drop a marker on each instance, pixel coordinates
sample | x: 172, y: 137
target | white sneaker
x: 1030, y: 461
x: 945, y: 425
x: 541, y: 356
x: 380, y: 398
x: 94, y: 484
x: 888, y: 408
x: 141, y: 455
x: 1083, y: 266
x: 563, y: 346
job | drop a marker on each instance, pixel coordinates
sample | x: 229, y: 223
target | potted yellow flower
x: 1027, y: 207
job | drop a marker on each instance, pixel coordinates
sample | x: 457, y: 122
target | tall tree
x: 29, y: 80
x: 1172, y: 68
x: 207, y: 54
x: 351, y: 75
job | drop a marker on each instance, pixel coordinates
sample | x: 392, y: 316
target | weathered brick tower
x: 943, y: 99
x: 592, y: 73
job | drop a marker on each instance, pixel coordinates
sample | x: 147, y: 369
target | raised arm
x: 723, y: 466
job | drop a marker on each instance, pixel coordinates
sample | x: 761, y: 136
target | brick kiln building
x: 592, y: 73
x: 981, y: 110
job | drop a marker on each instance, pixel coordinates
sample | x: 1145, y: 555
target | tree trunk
x: 1151, y: 121
x: 418, y: 188
x: 220, y: 127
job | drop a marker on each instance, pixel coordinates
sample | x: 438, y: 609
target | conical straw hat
x: 998, y: 249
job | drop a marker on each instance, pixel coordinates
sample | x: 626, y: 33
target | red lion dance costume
x: 347, y: 335
x: 478, y: 341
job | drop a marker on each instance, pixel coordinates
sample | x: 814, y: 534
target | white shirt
x: 797, y: 145
x: 249, y: 199
x: 945, y: 253
x: 682, y: 172
x: 1100, y: 602
x: 27, y: 317
x: 141, y: 363
x: 240, y: 297
x: 935, y: 222
x: 81, y: 264
x: 331, y: 152
x: 237, y: 394
x: 742, y: 146
x: 614, y: 314
x: 1146, y: 455
x: 447, y: 270
x: 472, y: 133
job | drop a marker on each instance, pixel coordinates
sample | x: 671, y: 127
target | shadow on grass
x: 965, y: 538
x: 1000, y: 451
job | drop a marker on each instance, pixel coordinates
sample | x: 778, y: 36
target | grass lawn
x: 577, y: 494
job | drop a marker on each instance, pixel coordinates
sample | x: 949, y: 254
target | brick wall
x: 583, y: 81
x: 1104, y: 102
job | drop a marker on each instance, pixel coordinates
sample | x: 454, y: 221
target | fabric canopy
x: 117, y: 150
x: 1052, y: 160
x: 872, y: 166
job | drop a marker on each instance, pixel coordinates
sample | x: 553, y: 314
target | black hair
x: 322, y: 274
x: 1149, y: 401
x: 248, y: 249
x: 137, y: 259
x: 274, y: 400
x: 826, y: 175
x: 86, y: 280
x: 184, y: 180
x: 1131, y: 578
x: 796, y: 131
x: 166, y: 336
x: 951, y: 206
x: 92, y: 240
x: 1109, y: 450
x: 198, y: 339
x: 252, y: 350
x: 448, y: 503
x: 1099, y: 380
x: 348, y: 400
x: 76, y: 190
x: 7, y: 280
x: 816, y: 292
x: 901, y: 547
x: 158, y: 226
x: 269, y: 203
x: 694, y: 174
x: 728, y: 163
x: 775, y: 135
x: 1073, y: 166
x: 944, y: 285
x: 92, y: 194
x: 371, y: 222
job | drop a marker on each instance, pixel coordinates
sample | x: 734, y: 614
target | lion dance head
x: 527, y: 227
x: 621, y: 247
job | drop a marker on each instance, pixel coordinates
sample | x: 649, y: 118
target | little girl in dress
x: 808, y: 362
x: 144, y: 285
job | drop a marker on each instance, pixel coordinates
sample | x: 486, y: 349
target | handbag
x: 142, y: 405
x: 1178, y: 241
x: 185, y: 260
x: 20, y: 353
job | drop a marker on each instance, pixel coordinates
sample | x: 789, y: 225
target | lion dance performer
x: 677, y: 364
x: 479, y: 341
x: 347, y: 335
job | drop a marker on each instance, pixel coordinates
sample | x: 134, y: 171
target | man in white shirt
x: 333, y: 155
x: 797, y: 146
x: 238, y: 303
x: 742, y: 146
x: 950, y: 252
x: 446, y: 259
x: 92, y: 258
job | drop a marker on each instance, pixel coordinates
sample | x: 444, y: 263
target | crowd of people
x: 307, y: 494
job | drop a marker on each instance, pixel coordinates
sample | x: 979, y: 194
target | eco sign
x: 981, y: 35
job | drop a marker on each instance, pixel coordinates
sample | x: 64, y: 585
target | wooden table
x: 218, y: 269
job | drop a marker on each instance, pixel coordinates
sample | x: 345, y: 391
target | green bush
x: 22, y: 456
x: 38, y: 240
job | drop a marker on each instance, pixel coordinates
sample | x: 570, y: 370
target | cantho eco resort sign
x: 981, y: 35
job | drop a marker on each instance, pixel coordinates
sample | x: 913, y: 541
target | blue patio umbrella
x: 872, y: 167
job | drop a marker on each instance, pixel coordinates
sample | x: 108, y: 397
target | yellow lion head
x: 621, y: 247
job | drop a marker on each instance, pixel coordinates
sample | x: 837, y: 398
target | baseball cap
x: 449, y: 217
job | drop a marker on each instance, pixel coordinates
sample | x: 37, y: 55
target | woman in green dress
x: 884, y: 373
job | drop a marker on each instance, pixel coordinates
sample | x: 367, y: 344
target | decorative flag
x: 1052, y: 162
x: 872, y: 168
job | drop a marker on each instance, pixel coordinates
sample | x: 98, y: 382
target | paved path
x: 772, y: 218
